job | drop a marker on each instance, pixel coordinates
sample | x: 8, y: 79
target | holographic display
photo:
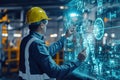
x: 103, y: 61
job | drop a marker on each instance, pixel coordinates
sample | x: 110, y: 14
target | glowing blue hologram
x: 103, y: 62
x: 99, y: 7
x: 71, y: 19
x: 100, y: 3
x: 73, y: 14
x: 77, y: 73
x: 90, y: 39
x: 112, y: 62
x: 80, y: 4
x: 98, y: 28
x: 112, y: 15
x: 100, y: 48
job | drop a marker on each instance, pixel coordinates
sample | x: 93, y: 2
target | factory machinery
x: 89, y: 20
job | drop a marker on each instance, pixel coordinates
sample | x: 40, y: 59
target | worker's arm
x: 55, y: 47
x: 48, y: 66
x: 59, y: 44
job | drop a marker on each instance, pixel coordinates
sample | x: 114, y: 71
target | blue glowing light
x: 99, y: 7
x: 73, y: 14
x: 98, y: 28
x: 100, y: 48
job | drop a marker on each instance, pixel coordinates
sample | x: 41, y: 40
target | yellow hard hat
x: 36, y: 14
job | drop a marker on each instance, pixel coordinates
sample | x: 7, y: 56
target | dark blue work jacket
x: 36, y: 59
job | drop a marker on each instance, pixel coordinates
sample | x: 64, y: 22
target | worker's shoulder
x: 39, y: 41
x: 41, y: 46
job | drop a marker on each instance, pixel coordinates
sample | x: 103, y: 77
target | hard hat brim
x: 49, y: 18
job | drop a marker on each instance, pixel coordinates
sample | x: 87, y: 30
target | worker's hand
x: 82, y: 55
x: 69, y: 32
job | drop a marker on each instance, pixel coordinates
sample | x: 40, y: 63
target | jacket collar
x: 37, y: 35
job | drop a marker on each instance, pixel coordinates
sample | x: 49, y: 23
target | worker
x: 36, y: 61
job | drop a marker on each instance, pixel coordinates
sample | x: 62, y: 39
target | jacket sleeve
x: 48, y: 65
x: 53, y: 48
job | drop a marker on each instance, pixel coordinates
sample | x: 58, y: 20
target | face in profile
x: 44, y: 25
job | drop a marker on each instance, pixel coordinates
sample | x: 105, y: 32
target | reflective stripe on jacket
x: 36, y: 60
